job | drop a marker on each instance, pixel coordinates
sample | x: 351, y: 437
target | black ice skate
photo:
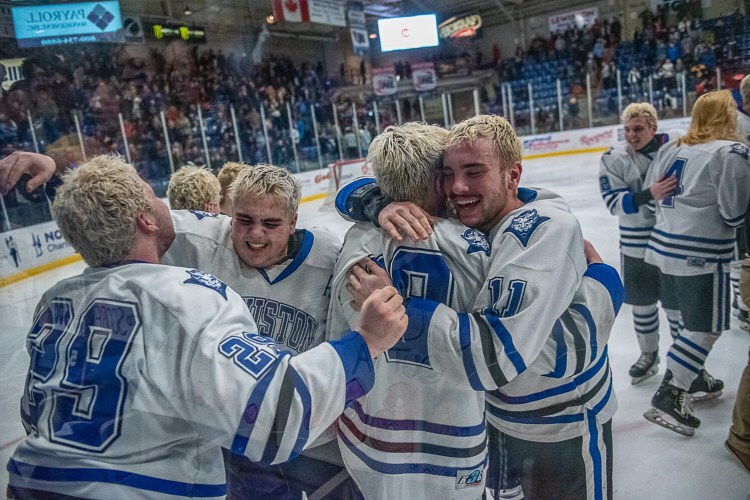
x: 705, y: 387
x: 671, y: 408
x: 646, y: 367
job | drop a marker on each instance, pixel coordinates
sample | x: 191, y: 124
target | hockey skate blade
x: 660, y: 418
x: 650, y: 373
x: 704, y: 396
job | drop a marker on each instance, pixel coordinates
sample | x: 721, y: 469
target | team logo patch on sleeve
x: 206, y: 280
x: 477, y: 241
x: 740, y: 150
x: 523, y: 226
x: 200, y: 214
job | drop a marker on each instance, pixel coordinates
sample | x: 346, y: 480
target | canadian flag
x: 293, y: 11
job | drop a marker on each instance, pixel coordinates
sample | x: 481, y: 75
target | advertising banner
x: 55, y: 24
x: 384, y: 81
x: 560, y: 23
x: 423, y: 76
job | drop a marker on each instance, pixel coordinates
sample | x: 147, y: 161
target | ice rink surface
x: 649, y: 462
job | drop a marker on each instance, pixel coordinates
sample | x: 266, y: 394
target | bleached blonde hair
x: 405, y: 159
x: 745, y: 91
x: 97, y: 206
x: 267, y: 180
x: 193, y: 188
x: 714, y: 117
x: 640, y: 109
x: 493, y: 128
x: 227, y: 174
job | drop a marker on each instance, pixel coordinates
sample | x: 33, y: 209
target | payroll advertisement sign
x: 56, y: 24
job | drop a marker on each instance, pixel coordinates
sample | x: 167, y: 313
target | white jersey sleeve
x: 695, y: 229
x: 289, y: 300
x: 155, y: 369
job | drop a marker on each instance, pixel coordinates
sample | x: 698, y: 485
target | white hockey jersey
x: 621, y: 174
x: 289, y: 301
x: 695, y: 229
x: 542, y: 320
x: 420, y: 433
x: 566, y: 377
x: 140, y: 373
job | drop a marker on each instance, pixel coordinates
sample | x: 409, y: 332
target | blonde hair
x: 227, y: 174
x: 96, y: 209
x: 193, y: 188
x: 640, y: 109
x: 405, y: 159
x: 493, y: 128
x: 714, y: 117
x: 745, y: 91
x: 267, y: 180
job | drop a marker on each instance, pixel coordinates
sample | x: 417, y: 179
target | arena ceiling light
x: 187, y: 10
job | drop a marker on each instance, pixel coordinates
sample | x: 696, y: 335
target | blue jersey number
x: 87, y: 406
x: 253, y: 353
x: 516, y: 291
x: 42, y: 342
x: 675, y: 169
x: 420, y: 274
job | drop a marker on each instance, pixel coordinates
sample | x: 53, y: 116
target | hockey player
x: 422, y: 433
x: 692, y: 243
x: 194, y: 188
x: 283, y: 275
x: 226, y: 177
x: 622, y: 170
x: 512, y: 320
x: 140, y: 372
x: 743, y: 129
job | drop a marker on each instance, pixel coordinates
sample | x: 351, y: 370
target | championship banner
x: 330, y: 12
x: 423, y: 76
x: 10, y: 72
x: 560, y: 23
x: 358, y: 30
x: 384, y: 81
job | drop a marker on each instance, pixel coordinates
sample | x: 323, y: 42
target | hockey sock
x: 674, y: 318
x: 687, y: 356
x: 646, y: 322
x: 734, y: 277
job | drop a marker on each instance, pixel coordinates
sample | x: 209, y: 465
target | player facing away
x: 141, y: 372
x: 283, y: 274
x: 692, y: 243
x: 422, y: 433
x: 622, y: 170
x: 513, y: 346
x: 194, y: 188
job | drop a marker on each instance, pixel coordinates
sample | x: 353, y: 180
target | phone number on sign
x: 68, y: 39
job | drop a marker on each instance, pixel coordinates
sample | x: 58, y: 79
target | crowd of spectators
x: 158, y: 97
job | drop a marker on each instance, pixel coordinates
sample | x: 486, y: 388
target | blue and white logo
x: 523, y: 226
x: 206, y: 280
x: 477, y: 241
x: 200, y: 214
x: 740, y: 150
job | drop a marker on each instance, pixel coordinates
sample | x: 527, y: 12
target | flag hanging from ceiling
x: 330, y: 12
x: 293, y: 11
